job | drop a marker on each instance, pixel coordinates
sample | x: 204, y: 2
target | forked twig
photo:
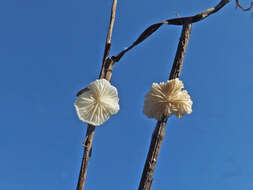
x: 175, y: 21
x: 106, y: 72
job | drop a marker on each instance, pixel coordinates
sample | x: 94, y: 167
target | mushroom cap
x: 168, y: 98
x: 96, y: 104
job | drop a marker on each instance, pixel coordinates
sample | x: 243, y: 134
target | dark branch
x: 108, y: 38
x: 238, y: 4
x: 159, y: 132
x: 106, y: 73
x: 176, y: 21
x: 87, y: 144
x: 181, y: 49
x: 154, y: 149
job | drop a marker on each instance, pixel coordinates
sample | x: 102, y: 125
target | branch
x: 181, y: 49
x: 159, y: 132
x: 108, y: 39
x: 106, y: 72
x: 176, y: 21
x: 87, y: 144
x: 238, y: 4
x: 154, y: 149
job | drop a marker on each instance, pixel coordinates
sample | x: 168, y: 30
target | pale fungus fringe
x: 168, y: 98
x: 97, y: 103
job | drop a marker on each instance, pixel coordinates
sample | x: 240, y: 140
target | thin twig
x: 87, y: 144
x: 175, y: 21
x: 154, y: 149
x: 181, y: 49
x: 238, y: 4
x: 109, y: 37
x: 159, y: 132
x: 106, y: 72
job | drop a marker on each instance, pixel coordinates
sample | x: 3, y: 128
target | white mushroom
x: 168, y: 98
x: 96, y: 104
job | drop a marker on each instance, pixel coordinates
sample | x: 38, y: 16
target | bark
x: 106, y: 73
x: 87, y: 144
x: 159, y: 132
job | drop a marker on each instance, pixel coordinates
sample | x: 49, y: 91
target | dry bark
x: 159, y: 132
x: 106, y: 73
x: 87, y: 144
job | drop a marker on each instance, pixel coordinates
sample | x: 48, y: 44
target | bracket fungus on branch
x: 168, y: 98
x: 97, y: 102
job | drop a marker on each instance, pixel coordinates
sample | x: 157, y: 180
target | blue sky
x: 50, y: 49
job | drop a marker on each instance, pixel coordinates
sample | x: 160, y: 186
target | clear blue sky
x: 50, y: 49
